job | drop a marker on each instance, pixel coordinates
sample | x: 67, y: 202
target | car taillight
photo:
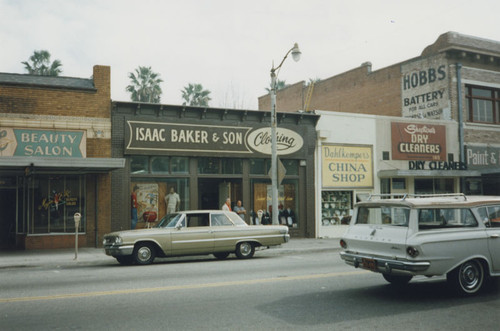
x: 343, y: 244
x: 412, y: 251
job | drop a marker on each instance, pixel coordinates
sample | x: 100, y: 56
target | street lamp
x: 274, y: 153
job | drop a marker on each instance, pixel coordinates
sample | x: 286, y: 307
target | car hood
x: 139, y: 232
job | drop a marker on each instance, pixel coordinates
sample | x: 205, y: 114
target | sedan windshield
x: 169, y: 221
x: 389, y: 215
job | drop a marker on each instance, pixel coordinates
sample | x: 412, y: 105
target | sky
x: 229, y: 46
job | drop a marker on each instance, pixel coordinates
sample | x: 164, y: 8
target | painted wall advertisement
x: 347, y: 166
x: 412, y: 141
x: 482, y: 157
x: 424, y: 89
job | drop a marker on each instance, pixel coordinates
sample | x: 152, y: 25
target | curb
x: 92, y: 256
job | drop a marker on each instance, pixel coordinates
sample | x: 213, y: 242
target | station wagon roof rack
x: 387, y: 196
x: 408, y: 195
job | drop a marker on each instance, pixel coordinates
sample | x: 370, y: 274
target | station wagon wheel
x: 245, y: 250
x: 397, y: 279
x: 221, y: 256
x: 468, y: 278
x: 144, y: 253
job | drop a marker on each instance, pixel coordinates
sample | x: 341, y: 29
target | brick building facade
x: 457, y: 78
x: 55, y: 160
x: 207, y: 155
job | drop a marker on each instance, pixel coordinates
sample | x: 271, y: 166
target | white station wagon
x: 429, y: 235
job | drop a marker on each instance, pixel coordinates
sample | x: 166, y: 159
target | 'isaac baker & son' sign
x: 170, y: 137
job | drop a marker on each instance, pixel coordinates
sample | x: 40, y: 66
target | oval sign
x: 288, y: 141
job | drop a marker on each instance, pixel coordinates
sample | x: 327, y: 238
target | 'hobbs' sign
x: 424, y: 88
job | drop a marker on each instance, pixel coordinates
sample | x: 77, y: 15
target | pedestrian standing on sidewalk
x: 240, y: 210
x: 227, y: 205
x: 172, y: 201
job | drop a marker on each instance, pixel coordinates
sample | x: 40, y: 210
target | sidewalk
x: 95, y: 256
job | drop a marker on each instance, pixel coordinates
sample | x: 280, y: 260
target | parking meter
x: 77, y: 217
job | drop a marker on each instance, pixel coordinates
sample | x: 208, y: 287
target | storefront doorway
x: 7, y: 218
x: 212, y: 192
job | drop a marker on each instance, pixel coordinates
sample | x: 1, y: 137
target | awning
x: 83, y: 165
x: 490, y: 171
x: 428, y: 173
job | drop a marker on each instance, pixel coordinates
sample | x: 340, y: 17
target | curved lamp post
x: 274, y: 153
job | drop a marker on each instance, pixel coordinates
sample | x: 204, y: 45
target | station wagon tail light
x: 343, y: 244
x: 412, y: 251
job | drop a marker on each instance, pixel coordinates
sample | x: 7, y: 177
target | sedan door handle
x: 494, y: 236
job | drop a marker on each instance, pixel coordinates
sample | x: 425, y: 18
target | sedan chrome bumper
x: 383, y: 265
x: 119, y: 250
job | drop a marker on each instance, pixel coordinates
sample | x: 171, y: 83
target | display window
x: 261, y: 211
x: 336, y: 207
x: 434, y: 185
x: 53, y: 201
x: 152, y: 199
x: 158, y: 165
x: 215, y: 165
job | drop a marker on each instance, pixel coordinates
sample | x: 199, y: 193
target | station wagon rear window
x: 436, y: 218
x: 387, y: 215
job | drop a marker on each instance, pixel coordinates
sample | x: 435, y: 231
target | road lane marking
x: 180, y: 287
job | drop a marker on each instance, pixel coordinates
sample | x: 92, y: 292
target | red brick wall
x: 356, y: 91
x: 60, y: 102
x: 53, y: 242
x: 94, y: 103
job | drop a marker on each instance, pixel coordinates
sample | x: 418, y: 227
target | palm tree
x: 195, y: 95
x: 145, y: 85
x: 40, y: 64
x: 280, y: 84
x: 313, y: 81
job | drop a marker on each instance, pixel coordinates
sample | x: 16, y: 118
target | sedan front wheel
x: 144, y: 253
x: 245, y: 250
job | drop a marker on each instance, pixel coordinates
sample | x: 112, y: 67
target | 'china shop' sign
x: 411, y: 141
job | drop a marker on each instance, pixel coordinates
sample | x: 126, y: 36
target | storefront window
x: 214, y: 165
x: 139, y: 165
x: 209, y: 165
x: 262, y: 167
x: 291, y: 166
x: 179, y: 165
x: 151, y: 199
x: 258, y: 166
x: 434, y: 186
x: 56, y: 198
x: 385, y: 185
x: 232, y: 166
x: 261, y: 210
x: 336, y: 207
x: 159, y: 164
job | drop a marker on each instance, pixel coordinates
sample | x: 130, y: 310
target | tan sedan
x: 199, y: 232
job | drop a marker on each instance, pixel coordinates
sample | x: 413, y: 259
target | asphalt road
x: 314, y: 291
